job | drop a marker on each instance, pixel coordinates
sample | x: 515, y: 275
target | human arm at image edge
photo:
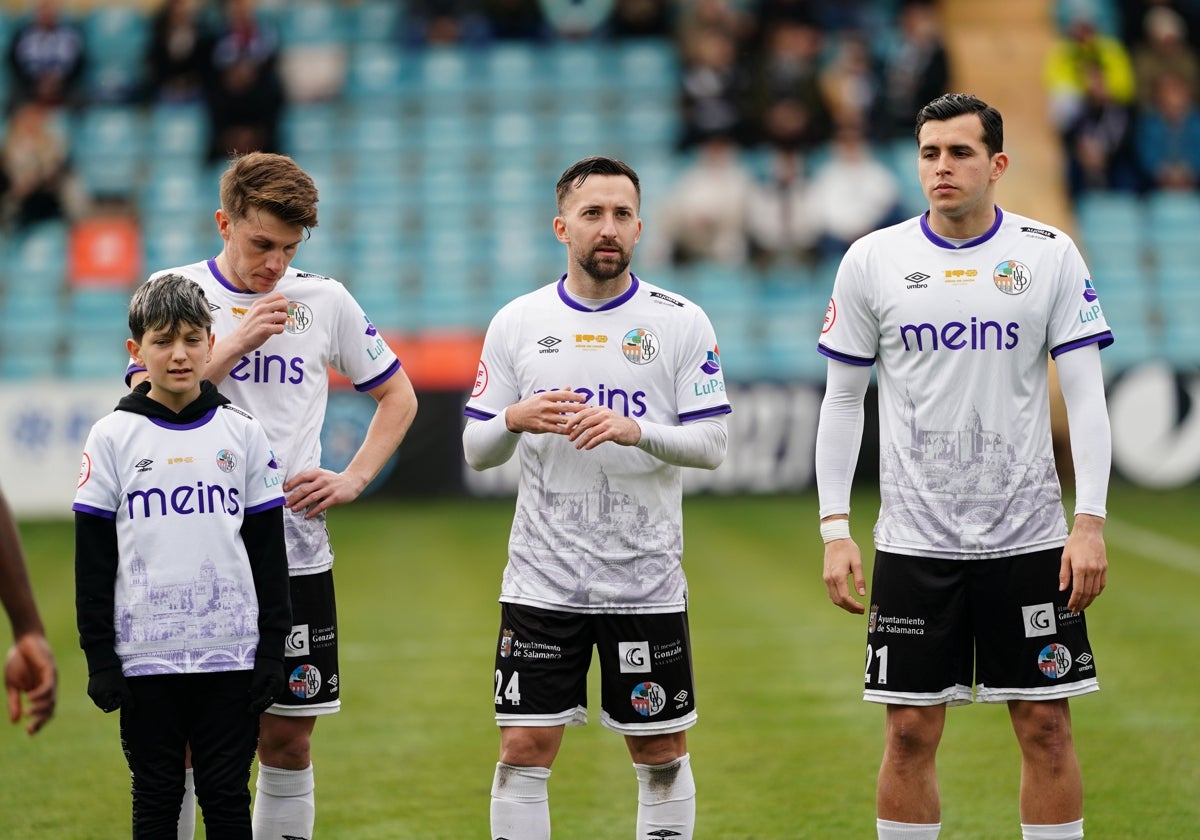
x: 29, y: 666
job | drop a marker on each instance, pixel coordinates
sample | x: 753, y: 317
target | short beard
x: 602, y: 271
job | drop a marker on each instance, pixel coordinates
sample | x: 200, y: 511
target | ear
x: 135, y: 350
x: 560, y: 230
x: 999, y: 165
x: 224, y: 224
x: 212, y: 339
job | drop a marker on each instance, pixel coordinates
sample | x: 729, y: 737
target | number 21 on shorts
x: 873, y: 655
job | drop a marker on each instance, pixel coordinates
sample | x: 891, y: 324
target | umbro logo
x: 916, y: 280
x: 663, y: 832
x: 549, y: 341
x: 144, y: 465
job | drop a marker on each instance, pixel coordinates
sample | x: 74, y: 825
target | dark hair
x: 577, y: 173
x: 271, y: 182
x: 169, y: 301
x: 951, y: 105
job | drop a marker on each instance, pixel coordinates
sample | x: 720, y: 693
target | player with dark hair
x: 181, y: 577
x: 604, y: 386
x: 978, y: 589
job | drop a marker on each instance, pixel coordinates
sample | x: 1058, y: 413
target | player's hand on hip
x: 316, y: 491
x: 843, y: 562
x: 547, y: 412
x: 1084, y: 567
x: 591, y: 426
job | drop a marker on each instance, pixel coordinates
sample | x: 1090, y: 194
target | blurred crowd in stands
x: 795, y: 116
x: 1124, y: 96
x: 781, y: 102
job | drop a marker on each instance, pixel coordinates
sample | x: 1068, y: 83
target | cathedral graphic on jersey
x: 207, y: 607
x: 968, y: 478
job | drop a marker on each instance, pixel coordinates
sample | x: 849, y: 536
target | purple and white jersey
x: 599, y: 531
x: 285, y: 382
x: 185, y: 596
x: 961, y: 335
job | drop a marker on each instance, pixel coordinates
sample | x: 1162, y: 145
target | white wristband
x: 835, y: 529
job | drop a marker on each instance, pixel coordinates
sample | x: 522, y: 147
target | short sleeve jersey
x: 185, y: 597
x: 285, y: 382
x: 961, y: 335
x: 601, y: 530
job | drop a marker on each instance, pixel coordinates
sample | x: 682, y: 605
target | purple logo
x: 1089, y: 291
x: 370, y: 327
x: 712, y: 361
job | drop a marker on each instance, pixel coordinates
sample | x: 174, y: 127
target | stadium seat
x: 1110, y: 217
x: 374, y: 20
x: 312, y: 22
x: 178, y: 130
x: 648, y: 66
x: 113, y: 33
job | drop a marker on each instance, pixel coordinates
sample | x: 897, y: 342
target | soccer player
x: 605, y: 386
x: 977, y: 583
x: 181, y: 577
x: 29, y: 667
x: 279, y: 330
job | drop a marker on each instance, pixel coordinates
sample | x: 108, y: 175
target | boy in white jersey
x: 279, y: 331
x: 604, y: 386
x: 977, y: 583
x: 181, y: 583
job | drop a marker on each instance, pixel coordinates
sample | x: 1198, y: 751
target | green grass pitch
x: 784, y: 748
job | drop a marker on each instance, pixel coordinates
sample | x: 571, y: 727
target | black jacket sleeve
x: 262, y: 534
x: 95, y: 585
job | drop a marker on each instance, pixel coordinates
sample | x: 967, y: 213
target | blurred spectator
x: 36, y: 180
x: 433, y: 22
x: 1164, y: 49
x: 641, y: 19
x: 1132, y: 15
x: 704, y: 219
x: 917, y: 71
x: 787, y: 101
x: 851, y: 83
x: 46, y: 59
x: 1099, y: 143
x: 1072, y: 55
x: 243, y: 90
x: 175, y: 54
x: 779, y: 223
x: 714, y: 87
x: 1168, y: 137
x: 515, y: 20
x: 851, y: 194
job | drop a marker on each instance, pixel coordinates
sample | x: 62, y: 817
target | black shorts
x: 938, y: 627
x: 542, y: 661
x: 311, y: 652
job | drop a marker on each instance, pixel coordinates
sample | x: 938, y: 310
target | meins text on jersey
x: 267, y: 368
x: 184, y: 500
x: 618, y: 399
x: 955, y: 335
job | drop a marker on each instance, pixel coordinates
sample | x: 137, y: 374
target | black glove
x: 109, y: 690
x: 266, y: 683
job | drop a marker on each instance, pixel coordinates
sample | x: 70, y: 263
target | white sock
x: 666, y: 799
x: 284, y: 805
x: 187, y: 808
x: 888, y: 830
x: 1063, y: 831
x: 520, y: 803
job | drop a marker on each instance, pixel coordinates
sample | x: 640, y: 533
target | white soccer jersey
x: 185, y: 597
x: 599, y: 531
x: 285, y: 382
x: 961, y: 336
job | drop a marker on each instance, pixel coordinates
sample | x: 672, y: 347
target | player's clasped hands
x: 565, y: 412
